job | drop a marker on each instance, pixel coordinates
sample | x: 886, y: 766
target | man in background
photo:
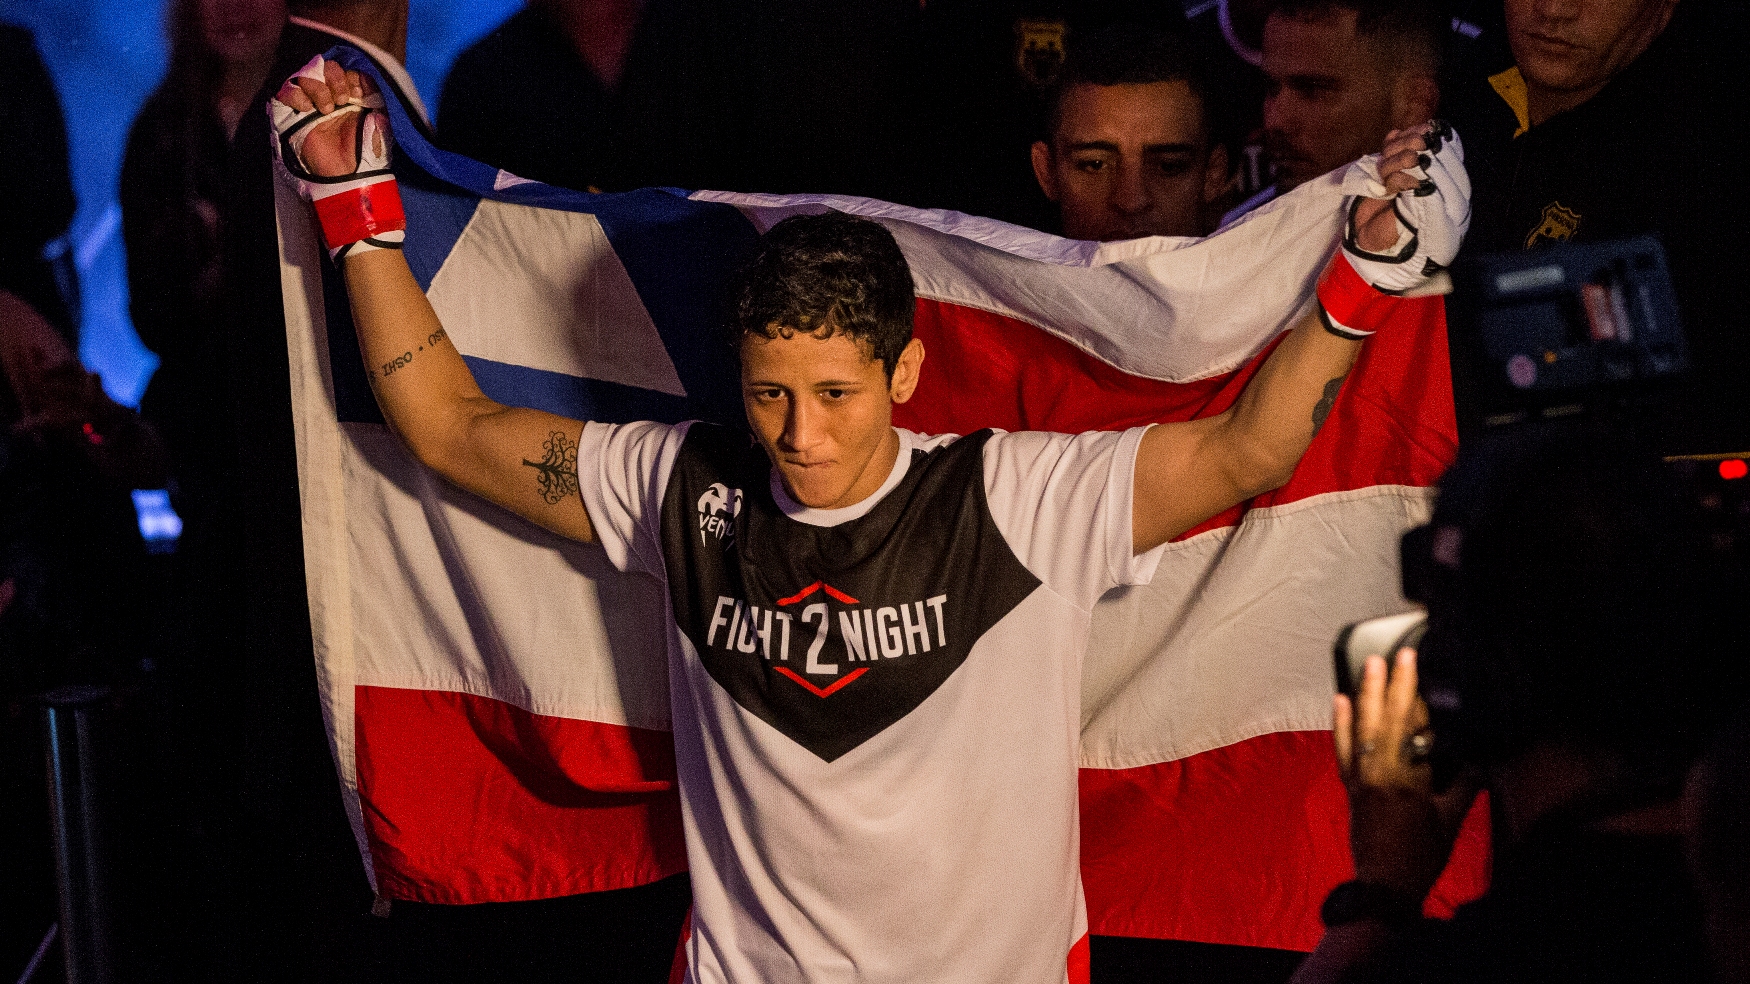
x: 1128, y: 149
x: 1607, y: 124
x: 1340, y: 75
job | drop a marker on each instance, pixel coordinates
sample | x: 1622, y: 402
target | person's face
x: 823, y: 410
x: 1130, y: 161
x: 242, y: 31
x: 1577, y: 45
x: 1328, y: 99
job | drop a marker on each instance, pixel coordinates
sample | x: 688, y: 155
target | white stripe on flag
x: 543, y: 288
x: 1232, y: 639
x: 456, y: 594
x: 1161, y: 308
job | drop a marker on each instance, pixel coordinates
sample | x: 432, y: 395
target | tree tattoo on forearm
x: 1322, y: 409
x: 557, y: 470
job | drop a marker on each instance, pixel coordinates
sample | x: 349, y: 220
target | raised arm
x: 1188, y: 472
x: 337, y: 147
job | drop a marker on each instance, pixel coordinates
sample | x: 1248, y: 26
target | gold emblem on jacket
x: 1039, y: 49
x: 1558, y: 225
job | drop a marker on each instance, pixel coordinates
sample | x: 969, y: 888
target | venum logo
x: 718, y: 508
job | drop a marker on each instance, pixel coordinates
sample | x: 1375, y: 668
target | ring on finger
x: 1419, y: 746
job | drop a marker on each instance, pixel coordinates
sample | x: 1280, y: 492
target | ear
x: 1215, y: 176
x: 1042, y: 169
x: 1415, y: 98
x: 905, y: 372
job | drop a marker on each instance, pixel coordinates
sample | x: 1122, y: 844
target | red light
x: 1734, y: 468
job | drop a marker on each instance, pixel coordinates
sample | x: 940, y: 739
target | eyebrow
x: 822, y: 384
x: 1112, y: 148
x: 1308, y: 78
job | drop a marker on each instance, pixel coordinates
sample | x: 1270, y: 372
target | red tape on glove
x: 360, y: 213
x: 1350, y: 306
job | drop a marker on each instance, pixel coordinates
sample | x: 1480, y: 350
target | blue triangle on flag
x: 679, y: 254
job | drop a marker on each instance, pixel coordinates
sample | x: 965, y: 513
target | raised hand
x: 1400, y: 830
x: 334, y: 142
x: 1411, y: 207
x: 331, y: 109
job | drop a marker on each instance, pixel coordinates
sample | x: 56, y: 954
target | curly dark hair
x: 824, y: 274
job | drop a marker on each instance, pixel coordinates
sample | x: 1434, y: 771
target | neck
x: 1542, y: 103
x: 382, y: 24
x: 874, y: 473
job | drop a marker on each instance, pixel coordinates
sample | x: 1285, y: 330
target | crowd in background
x: 1583, y: 120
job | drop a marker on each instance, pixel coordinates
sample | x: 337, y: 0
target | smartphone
x: 1382, y: 636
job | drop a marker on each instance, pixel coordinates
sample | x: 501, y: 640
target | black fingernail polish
x: 1438, y: 134
x: 1423, y: 160
x: 1425, y: 189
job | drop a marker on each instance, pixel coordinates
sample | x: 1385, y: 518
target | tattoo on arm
x: 1322, y: 409
x: 404, y: 358
x: 557, y: 470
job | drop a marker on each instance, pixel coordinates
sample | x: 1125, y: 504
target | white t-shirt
x: 876, y: 708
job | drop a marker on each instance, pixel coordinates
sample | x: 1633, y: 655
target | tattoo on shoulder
x: 1322, y: 409
x: 557, y: 470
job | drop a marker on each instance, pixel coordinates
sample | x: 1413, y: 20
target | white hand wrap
x: 1432, y: 218
x: 357, y: 211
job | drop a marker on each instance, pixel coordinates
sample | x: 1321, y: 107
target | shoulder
x: 690, y: 449
x: 1058, y: 465
x: 717, y: 449
x: 1036, y: 443
x: 931, y: 442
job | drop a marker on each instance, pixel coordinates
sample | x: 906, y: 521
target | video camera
x: 1563, y: 330
x: 1568, y: 346
x: 1547, y: 334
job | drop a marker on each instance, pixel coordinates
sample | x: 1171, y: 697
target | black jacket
x: 1656, y: 151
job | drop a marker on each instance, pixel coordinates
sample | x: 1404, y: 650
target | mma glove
x: 358, y: 211
x: 1360, y: 290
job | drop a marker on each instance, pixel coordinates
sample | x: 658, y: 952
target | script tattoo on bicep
x: 556, y: 472
x: 1322, y: 409
x: 404, y: 358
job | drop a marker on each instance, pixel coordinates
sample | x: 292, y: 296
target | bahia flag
x: 496, y: 696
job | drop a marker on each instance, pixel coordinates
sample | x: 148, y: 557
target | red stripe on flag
x: 469, y: 799
x: 1392, y: 424
x: 1238, y: 845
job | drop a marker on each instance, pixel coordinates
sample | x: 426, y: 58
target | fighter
x: 874, y: 636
